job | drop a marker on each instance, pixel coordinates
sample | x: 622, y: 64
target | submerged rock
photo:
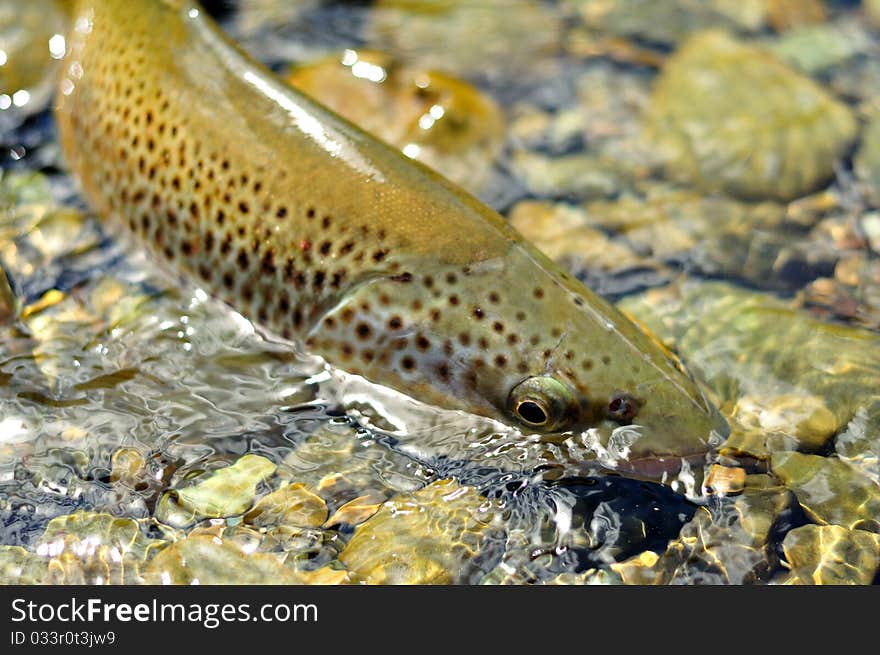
x: 785, y: 14
x: 291, y: 505
x: 211, y: 559
x: 504, y: 575
x: 639, y: 569
x: 253, y: 16
x: 468, y: 38
x: 603, y: 121
x: 578, y: 176
x: 872, y: 9
x: 831, y: 555
x: 667, y: 222
x: 564, y: 234
x: 669, y: 21
x: 431, y: 116
x: 356, y: 511
x: 853, y: 293
x: 747, y: 344
x: 765, y: 424
x: 82, y: 548
x: 867, y: 161
x: 340, y: 467
x: 859, y: 444
x: 829, y: 490
x: 91, y: 529
x: 778, y: 260
x: 722, y: 118
x: 31, y: 42
x: 724, y: 480
x: 432, y: 536
x: 574, y: 525
x: 727, y: 542
x: 816, y: 48
x: 19, y: 566
x: 127, y: 466
x: 734, y: 546
x: 20, y: 188
x: 228, y: 491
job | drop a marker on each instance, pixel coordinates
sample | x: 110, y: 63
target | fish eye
x: 532, y: 412
x: 542, y: 403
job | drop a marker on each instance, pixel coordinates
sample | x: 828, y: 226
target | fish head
x: 595, y: 369
x: 518, y: 340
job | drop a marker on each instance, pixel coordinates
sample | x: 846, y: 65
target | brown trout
x: 333, y: 240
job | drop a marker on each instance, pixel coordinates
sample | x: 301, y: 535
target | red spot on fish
x: 305, y: 245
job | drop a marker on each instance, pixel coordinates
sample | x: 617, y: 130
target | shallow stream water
x: 713, y: 167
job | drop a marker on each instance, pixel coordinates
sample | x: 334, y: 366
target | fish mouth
x: 660, y: 468
x: 637, y: 450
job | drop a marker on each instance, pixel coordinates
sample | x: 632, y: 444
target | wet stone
x: 724, y: 480
x: 19, y: 566
x: 728, y: 542
x: 578, y: 176
x: 668, y: 223
x: 859, y: 444
x: 639, y: 569
x: 761, y: 425
x: 432, y: 536
x: 210, y: 559
x: 31, y: 40
x: 562, y: 232
x: 327, y: 575
x: 504, y: 575
x: 341, y: 467
x: 830, y: 490
x: 870, y: 226
x: 867, y: 161
x: 469, y: 38
x: 670, y: 21
x: 722, y: 119
x: 574, y: 525
x: 254, y: 16
x: 786, y: 14
x: 738, y: 342
x: 816, y: 48
x: 127, y: 466
x: 602, y: 577
x: 228, y: 491
x: 357, y: 511
x: 601, y: 116
x: 95, y: 548
x: 782, y: 260
x: 27, y: 506
x: 21, y: 189
x: 581, y: 41
x: 124, y: 534
x: 852, y: 294
x: 831, y: 555
x: 291, y: 505
x: 872, y: 10
x: 431, y: 116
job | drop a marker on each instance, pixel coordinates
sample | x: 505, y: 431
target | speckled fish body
x: 329, y: 238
